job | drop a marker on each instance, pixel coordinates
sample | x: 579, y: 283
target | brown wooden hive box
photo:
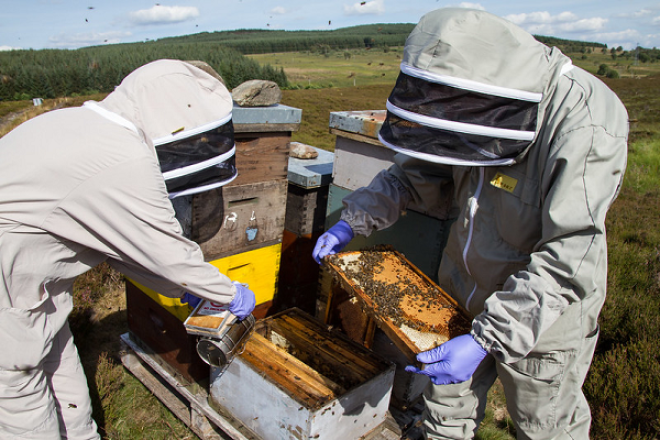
x: 406, y: 304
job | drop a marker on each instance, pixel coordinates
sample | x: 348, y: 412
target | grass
x: 349, y: 68
x: 623, y: 386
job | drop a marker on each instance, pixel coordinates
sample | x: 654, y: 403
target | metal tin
x: 218, y: 352
x: 221, y: 334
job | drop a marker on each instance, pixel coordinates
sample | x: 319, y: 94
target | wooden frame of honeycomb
x: 407, y: 305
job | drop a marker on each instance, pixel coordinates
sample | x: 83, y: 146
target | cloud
x: 538, y: 18
x: 365, y: 7
x: 73, y: 41
x: 544, y: 23
x: 163, y: 15
x: 468, y: 5
x: 637, y: 14
x: 627, y: 39
x: 278, y: 10
x: 6, y: 48
x: 584, y: 25
x: 628, y: 34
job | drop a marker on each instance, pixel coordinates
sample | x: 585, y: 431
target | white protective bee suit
x: 527, y: 152
x: 81, y: 186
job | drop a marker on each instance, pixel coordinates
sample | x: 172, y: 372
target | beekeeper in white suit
x: 527, y: 152
x: 84, y: 185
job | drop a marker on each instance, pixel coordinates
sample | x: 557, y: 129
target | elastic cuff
x: 355, y: 225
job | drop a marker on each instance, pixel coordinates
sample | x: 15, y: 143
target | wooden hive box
x: 159, y: 326
x: 262, y: 136
x: 307, y: 196
x: 307, y: 199
x: 297, y: 379
x: 249, y: 211
x: 238, y: 218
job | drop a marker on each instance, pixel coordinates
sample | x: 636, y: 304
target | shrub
x: 611, y: 73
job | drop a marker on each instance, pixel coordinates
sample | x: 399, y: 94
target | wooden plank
x: 357, y: 137
x: 136, y: 359
x: 348, y: 355
x: 175, y: 405
x: 321, y: 352
x: 344, y: 313
x: 260, y: 128
x: 301, y: 381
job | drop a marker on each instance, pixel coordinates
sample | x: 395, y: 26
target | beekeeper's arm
x: 379, y: 205
x: 124, y: 213
x: 582, y: 176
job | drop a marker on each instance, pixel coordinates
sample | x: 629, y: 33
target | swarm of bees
x: 388, y: 298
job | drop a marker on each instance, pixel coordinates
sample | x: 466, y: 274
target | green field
x: 623, y: 386
x: 347, y: 68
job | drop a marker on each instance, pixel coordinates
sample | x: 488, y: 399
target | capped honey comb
x: 405, y: 303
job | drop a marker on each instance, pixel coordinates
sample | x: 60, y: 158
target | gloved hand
x: 333, y: 241
x: 190, y: 299
x: 452, y: 362
x: 243, y: 302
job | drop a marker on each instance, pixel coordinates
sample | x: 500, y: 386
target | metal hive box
x: 296, y: 380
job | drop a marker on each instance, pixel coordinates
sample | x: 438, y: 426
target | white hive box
x: 296, y: 380
x: 359, y: 155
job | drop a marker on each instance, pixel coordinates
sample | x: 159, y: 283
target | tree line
x: 258, y: 41
x: 51, y: 73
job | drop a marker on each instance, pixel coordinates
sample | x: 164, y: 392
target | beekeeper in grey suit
x: 527, y: 152
x: 84, y: 185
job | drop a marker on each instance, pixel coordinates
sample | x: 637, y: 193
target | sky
x: 71, y: 24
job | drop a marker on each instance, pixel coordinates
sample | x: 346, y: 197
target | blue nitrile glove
x: 333, y: 241
x: 243, y: 302
x: 190, y: 299
x: 452, y: 362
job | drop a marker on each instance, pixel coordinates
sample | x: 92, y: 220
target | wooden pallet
x: 190, y: 403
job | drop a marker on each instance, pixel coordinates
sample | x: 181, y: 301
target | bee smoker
x: 219, y: 350
x: 221, y: 334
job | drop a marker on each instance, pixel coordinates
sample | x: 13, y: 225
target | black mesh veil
x: 199, y: 162
x: 434, y: 119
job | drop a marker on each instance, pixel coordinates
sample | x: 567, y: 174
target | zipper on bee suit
x: 474, y: 206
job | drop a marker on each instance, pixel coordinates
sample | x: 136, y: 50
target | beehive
x: 296, y: 379
x: 406, y: 304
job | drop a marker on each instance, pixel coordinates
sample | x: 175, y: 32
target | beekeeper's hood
x: 470, y: 90
x: 186, y: 114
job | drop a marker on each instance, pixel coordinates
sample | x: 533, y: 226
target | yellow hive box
x: 258, y: 268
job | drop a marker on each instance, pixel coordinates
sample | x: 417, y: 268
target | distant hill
x: 255, y: 41
x: 553, y: 41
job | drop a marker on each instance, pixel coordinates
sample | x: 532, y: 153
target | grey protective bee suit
x: 81, y: 186
x: 527, y: 152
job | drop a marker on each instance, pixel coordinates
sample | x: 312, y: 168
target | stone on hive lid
x: 302, y: 151
x: 257, y: 93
